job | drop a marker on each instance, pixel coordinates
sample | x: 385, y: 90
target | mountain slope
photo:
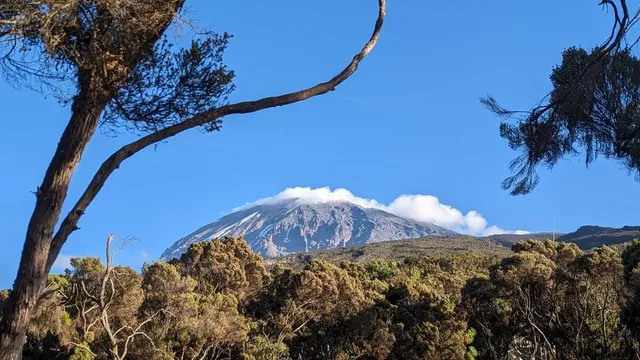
x: 398, y: 250
x: 290, y: 226
x: 509, y: 239
x: 590, y: 236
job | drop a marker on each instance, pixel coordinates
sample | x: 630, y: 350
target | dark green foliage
x: 43, y: 348
x: 551, y: 300
x: 631, y: 258
x: 381, y: 269
x: 631, y: 262
x: 593, y: 108
x: 548, y: 299
x: 171, y: 86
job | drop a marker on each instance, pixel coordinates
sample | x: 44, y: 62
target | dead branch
x: 137, y: 332
x: 101, y: 303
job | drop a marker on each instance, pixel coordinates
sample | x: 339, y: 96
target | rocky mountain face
x: 291, y: 226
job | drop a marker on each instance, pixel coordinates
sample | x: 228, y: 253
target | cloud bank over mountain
x: 423, y: 208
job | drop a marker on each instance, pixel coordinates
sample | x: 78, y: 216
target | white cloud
x: 62, y: 262
x: 423, y: 208
x: 306, y: 195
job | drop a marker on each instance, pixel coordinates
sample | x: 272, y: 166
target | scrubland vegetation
x: 112, y: 62
x: 547, y: 300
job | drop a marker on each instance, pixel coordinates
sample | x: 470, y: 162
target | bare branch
x: 137, y: 332
x: 83, y: 346
x: 102, y: 303
x: 107, y: 273
x: 124, y: 243
x: 88, y: 294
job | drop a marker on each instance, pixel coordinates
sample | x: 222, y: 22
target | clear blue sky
x: 408, y: 122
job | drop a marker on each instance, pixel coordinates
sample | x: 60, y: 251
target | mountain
x: 398, y: 250
x: 590, y: 236
x: 291, y: 226
x: 586, y: 237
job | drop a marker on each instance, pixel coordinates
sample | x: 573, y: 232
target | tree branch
x: 69, y: 224
x: 81, y: 346
x: 137, y: 332
x: 84, y: 289
x: 619, y: 29
x: 524, y: 177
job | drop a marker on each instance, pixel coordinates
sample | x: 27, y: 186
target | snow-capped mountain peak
x: 290, y: 226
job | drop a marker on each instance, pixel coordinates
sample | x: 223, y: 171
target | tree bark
x: 50, y: 195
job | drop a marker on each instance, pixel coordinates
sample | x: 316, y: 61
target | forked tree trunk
x: 34, y: 265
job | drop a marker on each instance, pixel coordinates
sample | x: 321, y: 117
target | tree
x: 594, y: 106
x: 200, y: 293
x: 511, y: 310
x: 551, y: 301
x: 595, y: 294
x: 297, y: 304
x: 631, y: 261
x: 109, y: 296
x: 123, y: 73
x: 424, y: 298
x: 224, y: 266
x: 50, y: 322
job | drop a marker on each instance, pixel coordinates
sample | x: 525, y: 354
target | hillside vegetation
x: 544, y: 300
x: 397, y: 251
x: 509, y: 239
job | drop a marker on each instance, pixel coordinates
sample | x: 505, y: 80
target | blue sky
x: 408, y: 122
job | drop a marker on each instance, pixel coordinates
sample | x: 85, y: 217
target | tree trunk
x: 34, y: 265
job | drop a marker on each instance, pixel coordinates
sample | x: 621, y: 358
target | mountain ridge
x: 291, y: 226
x: 590, y: 236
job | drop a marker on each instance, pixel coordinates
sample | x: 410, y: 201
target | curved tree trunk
x: 34, y: 267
